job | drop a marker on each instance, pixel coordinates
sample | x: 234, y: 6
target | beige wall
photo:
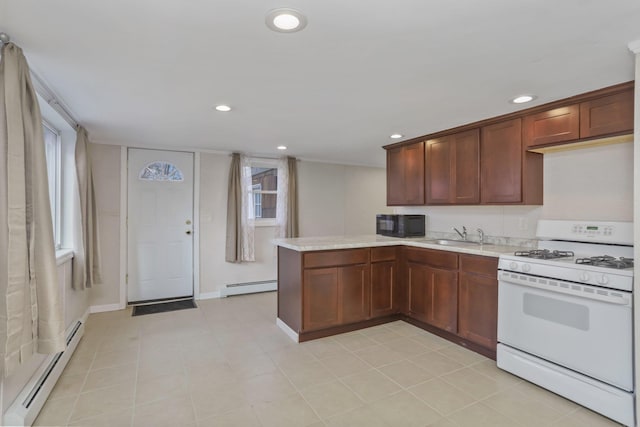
x: 106, y: 173
x: 334, y: 200
x: 588, y: 183
x: 215, y: 272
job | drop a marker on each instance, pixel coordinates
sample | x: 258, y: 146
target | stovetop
x: 605, y: 261
x: 587, y: 253
x: 544, y: 254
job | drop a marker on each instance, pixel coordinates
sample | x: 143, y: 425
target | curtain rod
x: 47, y: 94
x: 51, y: 99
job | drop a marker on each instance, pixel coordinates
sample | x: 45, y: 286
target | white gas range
x: 565, y: 319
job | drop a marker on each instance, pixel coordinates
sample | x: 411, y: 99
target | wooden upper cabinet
x: 501, y: 155
x: 453, y: 169
x: 438, y: 171
x: 553, y: 126
x: 466, y: 171
x: 611, y: 114
x: 405, y: 175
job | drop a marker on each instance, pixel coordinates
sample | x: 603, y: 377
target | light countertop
x: 306, y: 244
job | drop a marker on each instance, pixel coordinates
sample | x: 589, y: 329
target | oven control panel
x: 620, y: 233
x: 592, y: 230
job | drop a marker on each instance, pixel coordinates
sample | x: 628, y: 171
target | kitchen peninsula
x: 331, y: 285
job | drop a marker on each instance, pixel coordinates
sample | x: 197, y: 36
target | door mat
x: 140, y: 310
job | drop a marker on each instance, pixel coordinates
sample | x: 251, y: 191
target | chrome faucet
x: 463, y: 234
x: 481, y: 233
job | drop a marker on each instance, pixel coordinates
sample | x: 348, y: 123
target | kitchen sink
x: 448, y: 242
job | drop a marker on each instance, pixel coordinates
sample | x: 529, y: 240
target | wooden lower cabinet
x: 335, y: 296
x: 433, y: 296
x: 353, y: 285
x: 320, y: 298
x: 478, y: 300
x: 384, y: 288
x: 455, y: 295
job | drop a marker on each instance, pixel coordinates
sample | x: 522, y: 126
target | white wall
x: 589, y: 183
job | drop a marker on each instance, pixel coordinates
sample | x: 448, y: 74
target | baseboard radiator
x: 24, y: 410
x: 248, y: 288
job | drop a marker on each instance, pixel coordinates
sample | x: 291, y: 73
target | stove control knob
x: 526, y: 268
x: 603, y: 280
x: 513, y: 266
x: 584, y: 276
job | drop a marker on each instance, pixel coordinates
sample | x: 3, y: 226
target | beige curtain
x: 31, y: 317
x: 292, y: 192
x: 86, y: 261
x: 234, y: 211
x: 240, y: 220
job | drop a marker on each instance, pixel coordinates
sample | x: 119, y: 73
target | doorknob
x: 188, y: 231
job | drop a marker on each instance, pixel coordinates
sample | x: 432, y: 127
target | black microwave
x: 400, y: 225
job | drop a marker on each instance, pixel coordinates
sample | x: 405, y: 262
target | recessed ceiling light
x: 521, y: 99
x: 223, y: 108
x: 285, y: 20
x: 396, y: 136
x: 281, y: 147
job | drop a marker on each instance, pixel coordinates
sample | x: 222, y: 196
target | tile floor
x: 227, y: 364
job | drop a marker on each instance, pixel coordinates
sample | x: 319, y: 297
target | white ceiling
x: 149, y: 72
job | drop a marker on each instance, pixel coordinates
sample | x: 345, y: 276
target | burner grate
x: 607, y: 261
x: 544, y: 254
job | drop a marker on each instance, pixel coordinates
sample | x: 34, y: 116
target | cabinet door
x: 465, y: 177
x: 438, y: 171
x: 414, y: 174
x: 553, y: 126
x: 405, y: 175
x: 395, y: 176
x: 442, y: 299
x: 607, y: 115
x: 353, y: 286
x: 383, y: 288
x: 433, y: 296
x: 320, y: 298
x: 501, y: 162
x: 417, y: 279
x: 478, y: 309
x: 453, y: 169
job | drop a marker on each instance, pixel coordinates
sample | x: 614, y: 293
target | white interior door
x: 160, y: 224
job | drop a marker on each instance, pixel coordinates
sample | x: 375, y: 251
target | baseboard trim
x: 248, y: 288
x: 83, y: 318
x: 287, y: 330
x: 104, y: 307
x: 208, y: 295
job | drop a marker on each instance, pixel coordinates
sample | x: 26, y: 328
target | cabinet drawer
x: 553, y: 126
x: 607, y: 115
x: 438, y: 259
x: 483, y: 265
x: 388, y: 253
x: 339, y: 257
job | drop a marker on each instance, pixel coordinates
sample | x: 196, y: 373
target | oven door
x: 583, y: 328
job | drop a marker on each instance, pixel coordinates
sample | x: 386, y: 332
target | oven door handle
x: 576, y: 293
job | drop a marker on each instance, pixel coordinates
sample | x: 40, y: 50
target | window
x: 257, y: 200
x: 52, y: 154
x: 264, y: 188
x: 161, y: 171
